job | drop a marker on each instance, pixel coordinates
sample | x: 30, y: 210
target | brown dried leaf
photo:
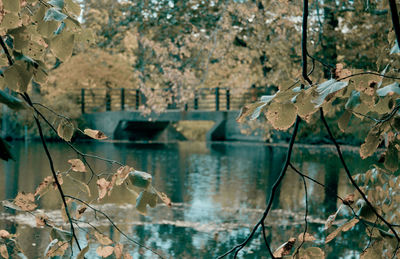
x: 25, y: 201
x: 96, y: 134
x: 349, y: 200
x: 4, y: 234
x: 307, y: 237
x: 58, y: 249
x: 164, y: 198
x: 333, y: 235
x: 104, y: 251
x: 118, y: 250
x: 127, y: 256
x: 122, y: 174
x: 41, y: 220
x: 44, y: 186
x: 285, y: 248
x: 103, y: 240
x: 80, y: 211
x: 349, y: 225
x: 3, y: 251
x: 103, y: 186
x: 77, y: 165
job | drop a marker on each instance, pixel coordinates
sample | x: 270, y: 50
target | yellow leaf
x: 281, y: 115
x: 57, y: 249
x: 65, y: 130
x: 122, y: 174
x: 118, y: 250
x: 62, y: 45
x: 44, y: 186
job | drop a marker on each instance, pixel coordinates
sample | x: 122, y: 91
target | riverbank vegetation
x: 330, y: 71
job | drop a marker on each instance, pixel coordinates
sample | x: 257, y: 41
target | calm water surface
x: 218, y: 191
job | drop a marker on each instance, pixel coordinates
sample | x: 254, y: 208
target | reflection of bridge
x: 117, y: 112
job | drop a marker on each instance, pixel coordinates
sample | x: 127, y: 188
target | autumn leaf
x: 122, y: 174
x: 371, y: 143
x: 3, y: 251
x: 103, y: 187
x: 281, y: 115
x: 330, y: 221
x: 65, y: 130
x: 307, y: 237
x: 95, y: 134
x: 41, y: 220
x: 146, y: 198
x: 44, y: 186
x: 102, y: 239
x: 77, y: 165
x: 140, y: 179
x: 349, y: 199
x: 118, y: 250
x: 80, y: 211
x: 164, y: 198
x: 4, y: 234
x: 82, y: 253
x: 127, y: 256
x: 104, y: 251
x: 285, y: 248
x: 56, y: 248
x: 25, y: 201
x: 345, y: 227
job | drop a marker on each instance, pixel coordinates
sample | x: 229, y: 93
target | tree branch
x: 395, y: 19
x: 349, y: 176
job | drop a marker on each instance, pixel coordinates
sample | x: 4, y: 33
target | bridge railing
x: 119, y: 99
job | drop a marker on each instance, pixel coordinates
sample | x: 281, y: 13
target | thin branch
x: 305, y: 215
x: 367, y: 73
x: 349, y: 176
x: 53, y: 171
x: 395, y: 19
x: 114, y: 225
x: 3, y: 45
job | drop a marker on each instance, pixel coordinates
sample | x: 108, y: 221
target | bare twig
x: 349, y: 176
x: 114, y: 225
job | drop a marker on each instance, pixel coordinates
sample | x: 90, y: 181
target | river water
x: 218, y: 190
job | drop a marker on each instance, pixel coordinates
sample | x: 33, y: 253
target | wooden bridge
x: 117, y: 112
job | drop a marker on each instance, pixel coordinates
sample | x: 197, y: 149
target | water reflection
x: 219, y: 191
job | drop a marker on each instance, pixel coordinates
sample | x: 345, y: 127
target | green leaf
x: 62, y: 45
x: 65, y: 130
x: 53, y: 14
x: 329, y: 87
x: 343, y: 121
x: 57, y: 3
x: 140, y: 179
x: 21, y: 37
x: 384, y: 105
x: 11, y: 101
x: 18, y: 76
x: 146, y: 198
x: 281, y: 115
x: 389, y: 89
x: 11, y: 5
x: 392, y: 158
x: 371, y: 143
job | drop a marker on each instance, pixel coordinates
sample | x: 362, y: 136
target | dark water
x: 219, y: 192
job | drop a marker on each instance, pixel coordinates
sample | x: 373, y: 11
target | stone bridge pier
x: 133, y: 125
